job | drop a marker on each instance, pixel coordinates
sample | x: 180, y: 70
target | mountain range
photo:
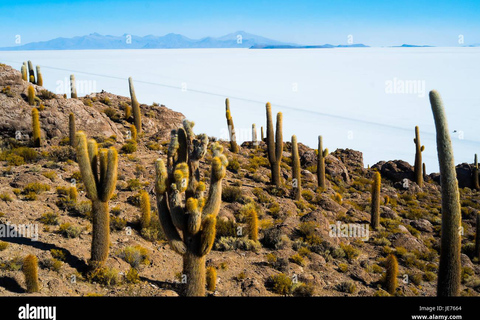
x: 239, y: 39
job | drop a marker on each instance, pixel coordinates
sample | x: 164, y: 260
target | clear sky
x: 374, y: 22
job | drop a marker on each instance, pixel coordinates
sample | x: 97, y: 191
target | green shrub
x: 3, y: 245
x: 6, y: 197
x: 132, y: 276
x: 36, y: 188
x: 49, y: 218
x: 351, y: 252
x: 225, y: 228
x: 129, y: 147
x: 346, y: 286
x: 308, y: 234
x: 53, y: 264
x: 105, y: 276
x: 134, y: 256
x: 69, y: 231
x: 232, y: 194
x: 304, y: 290
x: 298, y: 259
x: 280, y: 284
x: 233, y: 164
x: 233, y: 243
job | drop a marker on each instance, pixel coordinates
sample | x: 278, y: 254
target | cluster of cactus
x: 296, y: 170
x: 231, y: 127
x: 322, y: 154
x: 99, y: 175
x: 418, y: 168
x: 375, y: 213
x: 274, y: 145
x: 449, y: 271
x: 189, y: 228
x: 36, y: 133
x: 30, y: 271
x: 137, y: 115
x: 28, y: 73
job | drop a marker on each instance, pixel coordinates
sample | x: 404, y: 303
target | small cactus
x: 252, y: 222
x: 231, y: 128
x: 73, y: 87
x: 24, y: 72
x: 36, y: 128
x: 211, y: 278
x: 262, y: 135
x: 137, y: 115
x: 31, y: 72
x: 254, y: 136
x: 39, y: 77
x: 322, y: 154
x: 30, y: 271
x: 73, y: 194
x: 274, y: 145
x: 133, y: 132
x: 128, y: 112
x: 476, y: 184
x: 418, y: 158
x: 391, y: 274
x: 71, y: 129
x: 296, y: 175
x: 375, y: 214
x: 449, y: 270
x: 145, y: 209
x: 31, y: 95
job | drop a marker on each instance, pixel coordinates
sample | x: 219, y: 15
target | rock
x: 464, y: 175
x: 323, y: 229
x: 466, y: 262
x: 388, y: 213
x: 308, y: 158
x: 358, y: 274
x: 252, y: 287
x: 395, y: 170
x: 403, y: 229
x: 328, y: 204
x: 352, y: 159
x: 407, y: 241
x: 422, y: 225
x: 335, y: 168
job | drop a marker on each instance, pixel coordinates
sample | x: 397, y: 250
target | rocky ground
x: 294, y: 236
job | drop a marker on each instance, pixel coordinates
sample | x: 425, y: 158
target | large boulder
x: 395, y: 170
x: 353, y: 160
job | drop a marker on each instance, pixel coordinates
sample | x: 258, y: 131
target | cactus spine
x: 24, y: 72
x: 145, y: 209
x: 73, y: 87
x: 30, y: 271
x: 31, y: 72
x: 39, y: 77
x: 137, y: 115
x: 99, y: 174
x: 296, y: 176
x: 449, y: 267
x: 71, y: 129
x: 418, y: 158
x: 391, y: 274
x: 36, y: 128
x: 476, y: 183
x: 274, y: 145
x: 195, y: 220
x: 231, y: 127
x: 322, y: 154
x: 375, y: 215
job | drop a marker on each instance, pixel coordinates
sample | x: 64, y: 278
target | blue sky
x: 373, y: 22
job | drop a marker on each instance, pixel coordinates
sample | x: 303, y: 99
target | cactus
x: 262, y: 135
x: 296, y: 176
x: 71, y: 129
x: 195, y: 220
x: 375, y: 214
x: 31, y: 95
x: 211, y: 278
x: 31, y: 72
x: 424, y: 171
x: 391, y: 274
x: 476, y: 184
x: 39, y: 77
x: 418, y: 158
x: 450, y: 246
x: 231, y: 128
x: 477, y: 237
x: 73, y: 194
x: 133, y: 132
x: 274, y: 145
x: 254, y: 136
x: 145, y: 209
x: 73, y: 87
x: 24, y: 72
x: 128, y: 112
x: 37, y: 141
x: 30, y: 271
x: 252, y: 221
x: 322, y: 154
x: 137, y: 115
x: 99, y: 175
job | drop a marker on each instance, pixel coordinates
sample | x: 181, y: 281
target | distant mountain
x: 412, y: 46
x: 261, y: 46
x: 238, y: 39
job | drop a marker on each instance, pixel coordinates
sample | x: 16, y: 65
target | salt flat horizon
x: 353, y: 97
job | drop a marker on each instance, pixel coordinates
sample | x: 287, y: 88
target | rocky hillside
x: 296, y: 254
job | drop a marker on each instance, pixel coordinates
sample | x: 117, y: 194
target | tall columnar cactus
x: 375, y: 213
x: 296, y: 176
x: 254, y: 135
x: 418, y: 158
x: 274, y: 145
x: 73, y: 87
x: 391, y: 274
x: 449, y: 270
x: 31, y: 72
x: 137, y: 115
x: 231, y: 127
x: 262, y: 135
x: 424, y: 171
x: 145, y: 209
x: 36, y: 134
x: 99, y: 175
x: 189, y: 228
x: 322, y: 154
x: 476, y: 183
x: 39, y: 77
x: 31, y: 95
x: 24, y: 72
x: 30, y: 271
x: 71, y: 129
